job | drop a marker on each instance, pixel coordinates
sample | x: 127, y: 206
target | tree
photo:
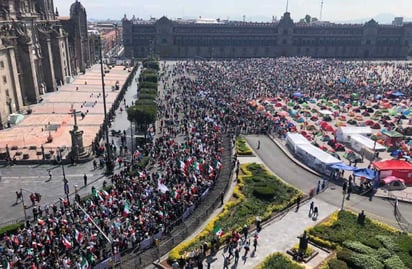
x: 142, y: 114
x: 308, y: 19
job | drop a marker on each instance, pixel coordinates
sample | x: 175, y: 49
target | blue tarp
x: 398, y: 93
x: 342, y: 166
x: 364, y: 172
x: 298, y: 94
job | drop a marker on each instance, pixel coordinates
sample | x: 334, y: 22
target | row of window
x: 223, y: 42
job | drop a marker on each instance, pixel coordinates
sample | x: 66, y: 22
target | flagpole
x: 94, y: 223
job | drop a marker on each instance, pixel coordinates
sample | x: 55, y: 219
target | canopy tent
x: 364, y: 172
x: 398, y: 168
x: 358, y: 141
x: 392, y: 165
x: 316, y: 158
x: 344, y: 133
x: 342, y: 166
x: 294, y: 139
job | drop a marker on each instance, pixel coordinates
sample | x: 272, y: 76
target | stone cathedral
x: 38, y: 51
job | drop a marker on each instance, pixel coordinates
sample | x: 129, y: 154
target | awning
x: 342, y: 166
x: 364, y: 172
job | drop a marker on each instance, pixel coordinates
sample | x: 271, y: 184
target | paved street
x: 280, y: 164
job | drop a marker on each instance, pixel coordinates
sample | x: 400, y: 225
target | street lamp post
x: 132, y: 137
x: 24, y: 206
x: 65, y: 181
x: 109, y: 169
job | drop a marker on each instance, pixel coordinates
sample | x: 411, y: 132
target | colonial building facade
x: 226, y: 39
x: 35, y: 53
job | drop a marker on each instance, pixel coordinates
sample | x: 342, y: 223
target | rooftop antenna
x: 244, y: 18
x: 287, y: 5
x: 321, y: 9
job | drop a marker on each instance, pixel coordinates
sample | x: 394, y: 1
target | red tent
x: 398, y: 168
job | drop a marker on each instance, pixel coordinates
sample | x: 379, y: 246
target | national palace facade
x: 225, y: 39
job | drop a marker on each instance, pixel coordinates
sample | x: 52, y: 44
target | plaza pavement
x: 84, y: 94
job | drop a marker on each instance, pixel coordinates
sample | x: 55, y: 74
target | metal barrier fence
x: 402, y: 221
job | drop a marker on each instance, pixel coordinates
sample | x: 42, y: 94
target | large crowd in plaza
x: 201, y: 102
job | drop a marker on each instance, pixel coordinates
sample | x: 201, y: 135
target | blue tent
x: 364, y: 172
x: 342, y: 166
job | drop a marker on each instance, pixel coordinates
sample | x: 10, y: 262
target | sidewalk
x: 278, y: 235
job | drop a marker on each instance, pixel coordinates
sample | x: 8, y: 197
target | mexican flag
x: 79, y: 236
x: 126, y: 209
x: 84, y: 264
x: 7, y: 265
x: 218, y: 231
x: 66, y: 242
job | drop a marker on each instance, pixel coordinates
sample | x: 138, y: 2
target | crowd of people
x: 199, y: 103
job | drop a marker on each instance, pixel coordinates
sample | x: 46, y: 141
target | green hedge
x: 279, y: 261
x: 242, y: 148
x: 9, y: 229
x: 374, y: 245
x: 337, y: 264
x: 148, y: 85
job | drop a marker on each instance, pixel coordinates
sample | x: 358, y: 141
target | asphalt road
x: 280, y: 164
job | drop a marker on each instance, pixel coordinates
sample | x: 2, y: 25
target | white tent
x: 316, y: 158
x: 359, y: 141
x: 344, y: 133
x: 325, y: 112
x: 294, y: 139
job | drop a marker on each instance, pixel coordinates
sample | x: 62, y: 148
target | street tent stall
x: 316, y: 158
x: 359, y: 142
x: 344, y: 133
x: 364, y: 173
x: 398, y: 168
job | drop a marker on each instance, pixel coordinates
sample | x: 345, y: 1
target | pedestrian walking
x: 255, y: 242
x: 35, y: 213
x: 94, y: 164
x: 225, y: 262
x: 245, y: 231
x: 297, y: 203
x: 85, y: 179
x: 237, y: 254
x: 19, y: 196
x: 50, y: 175
x: 315, y: 212
x: 258, y: 144
x: 349, y: 190
x: 318, y: 188
x: 311, y: 206
x: 247, y: 248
